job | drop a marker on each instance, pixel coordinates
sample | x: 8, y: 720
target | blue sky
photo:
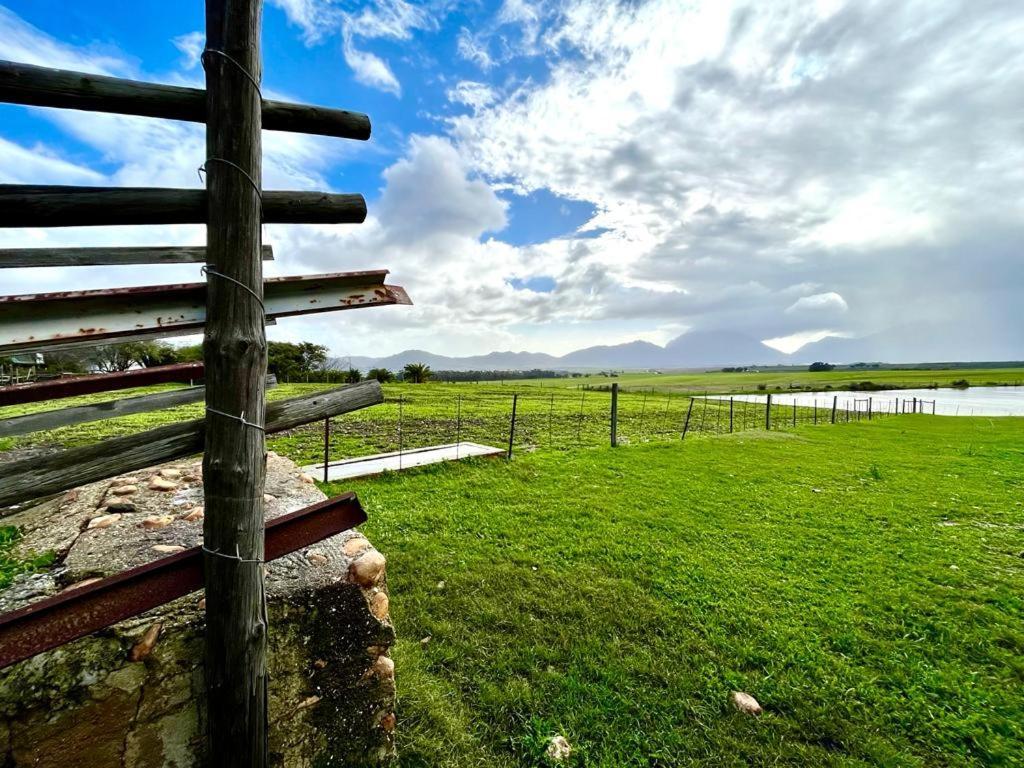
x: 550, y: 175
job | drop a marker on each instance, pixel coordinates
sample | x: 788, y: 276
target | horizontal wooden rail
x: 62, y: 320
x: 45, y: 87
x: 33, y: 478
x: 75, y: 613
x: 110, y: 409
x: 71, y: 386
x: 26, y: 205
x: 96, y: 257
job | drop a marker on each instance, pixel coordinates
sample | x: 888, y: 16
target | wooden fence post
x: 730, y: 415
x: 615, y: 415
x: 512, y: 426
x: 235, y: 352
x: 686, y: 424
x: 869, y: 409
x: 835, y: 404
x: 768, y: 413
x: 794, y: 411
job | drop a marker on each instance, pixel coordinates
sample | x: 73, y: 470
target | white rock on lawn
x: 746, y: 703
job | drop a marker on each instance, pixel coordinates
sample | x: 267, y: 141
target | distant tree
x: 416, y: 373
x: 353, y: 376
x: 192, y: 353
x: 120, y: 357
x: 815, y: 367
x: 383, y: 375
x: 290, y: 361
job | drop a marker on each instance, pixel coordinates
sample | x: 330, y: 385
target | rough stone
x: 745, y: 703
x: 316, y: 557
x: 171, y: 473
x: 559, y: 748
x: 379, y: 605
x: 88, y: 703
x: 124, y: 490
x: 159, y: 521
x: 157, y: 483
x: 368, y: 568
x: 194, y: 514
x: 120, y: 507
x: 104, y: 521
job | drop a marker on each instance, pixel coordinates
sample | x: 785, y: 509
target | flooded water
x: 973, y: 401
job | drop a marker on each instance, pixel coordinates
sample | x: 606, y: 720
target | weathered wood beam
x: 33, y: 478
x: 235, y: 351
x: 110, y: 409
x: 72, y: 386
x: 26, y: 205
x: 45, y: 87
x: 100, y: 256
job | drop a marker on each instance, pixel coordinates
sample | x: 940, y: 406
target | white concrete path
x: 395, y: 461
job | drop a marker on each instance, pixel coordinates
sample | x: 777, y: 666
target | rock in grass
x: 558, y: 749
x: 745, y: 703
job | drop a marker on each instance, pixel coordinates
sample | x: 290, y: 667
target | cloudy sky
x: 551, y: 175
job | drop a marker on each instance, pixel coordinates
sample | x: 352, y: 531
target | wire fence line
x: 561, y: 420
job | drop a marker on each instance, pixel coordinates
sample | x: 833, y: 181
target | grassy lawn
x: 772, y: 379
x: 864, y: 582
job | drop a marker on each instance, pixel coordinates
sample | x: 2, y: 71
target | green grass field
x: 775, y: 380
x: 864, y: 582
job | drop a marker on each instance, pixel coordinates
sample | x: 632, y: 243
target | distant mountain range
x: 704, y: 349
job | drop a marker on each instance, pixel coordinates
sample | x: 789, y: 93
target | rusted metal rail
x: 37, y: 392
x: 79, y: 318
x: 45, y: 87
x: 76, y: 613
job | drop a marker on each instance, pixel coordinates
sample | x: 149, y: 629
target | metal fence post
x: 512, y: 426
x: 768, y: 413
x: 615, y: 414
x: 686, y: 424
x: 327, y: 444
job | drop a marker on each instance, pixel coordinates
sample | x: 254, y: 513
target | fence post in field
x: 933, y: 407
x: 869, y: 409
x: 730, y: 415
x: 794, y: 411
x: 835, y: 404
x: 913, y: 406
x: 768, y: 413
x: 512, y: 426
x: 327, y: 444
x: 815, y: 410
x: 615, y: 415
x: 686, y: 424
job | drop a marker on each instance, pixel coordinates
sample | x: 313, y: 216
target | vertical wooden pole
x: 913, y: 407
x: 730, y: 415
x: 512, y: 426
x: 835, y: 404
x: 794, y: 411
x: 235, y: 353
x: 686, y: 424
x: 768, y: 413
x: 869, y: 409
x: 615, y: 415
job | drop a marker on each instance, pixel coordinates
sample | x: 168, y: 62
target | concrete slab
x: 395, y: 461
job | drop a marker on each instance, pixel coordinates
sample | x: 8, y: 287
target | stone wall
x: 131, y: 695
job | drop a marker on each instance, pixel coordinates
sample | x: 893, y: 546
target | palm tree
x: 416, y: 373
x: 383, y: 375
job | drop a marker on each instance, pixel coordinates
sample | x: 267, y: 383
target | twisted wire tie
x: 237, y: 557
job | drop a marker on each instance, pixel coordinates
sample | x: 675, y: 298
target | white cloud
x: 475, y: 95
x: 191, y: 46
x: 370, y: 69
x: 472, y: 48
x: 22, y: 42
x: 819, y: 302
x: 40, y: 165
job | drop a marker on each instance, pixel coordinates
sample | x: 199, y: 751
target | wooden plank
x: 72, y: 386
x: 24, y: 205
x: 110, y: 409
x: 96, y: 257
x: 33, y: 478
x: 45, y: 87
x: 235, y: 351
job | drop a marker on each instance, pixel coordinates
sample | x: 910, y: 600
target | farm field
x: 776, y: 380
x: 862, y: 581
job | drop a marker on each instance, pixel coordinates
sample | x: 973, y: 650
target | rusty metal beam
x: 76, y: 613
x: 37, y: 392
x: 45, y: 321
